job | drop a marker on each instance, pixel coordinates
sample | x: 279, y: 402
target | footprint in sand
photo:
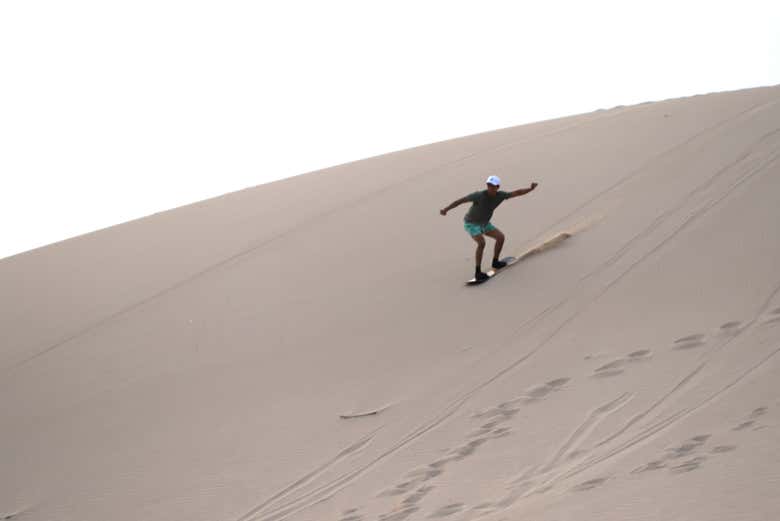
x: 618, y: 366
x: 408, y: 506
x: 758, y: 412
x: 540, y: 392
x: 447, y: 510
x: 640, y: 355
x: 418, y: 477
x: 398, y: 515
x: 590, y: 484
x: 596, y: 356
x: 488, y: 431
x: 773, y: 317
x: 351, y: 515
x: 458, y: 453
x: 508, y: 500
x: 576, y: 454
x: 466, y: 450
x: 687, y: 447
x: 542, y: 489
x: 689, y: 465
x: 481, y: 432
x: 493, y: 412
x: 744, y: 425
x: 613, y: 368
x: 424, y: 474
x: 688, y: 342
x: 500, y: 432
x: 400, y: 489
x: 417, y: 496
x: 481, y: 510
x: 496, y: 415
x: 751, y: 421
x: 507, y: 410
x: 730, y: 328
x: 647, y: 467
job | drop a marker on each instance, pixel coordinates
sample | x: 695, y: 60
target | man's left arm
x: 523, y: 191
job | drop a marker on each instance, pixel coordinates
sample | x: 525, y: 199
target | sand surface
x: 307, y: 349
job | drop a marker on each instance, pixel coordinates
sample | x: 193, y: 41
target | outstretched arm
x: 523, y: 191
x: 453, y: 204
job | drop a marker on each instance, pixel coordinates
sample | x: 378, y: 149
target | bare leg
x: 499, y: 237
x: 480, y: 240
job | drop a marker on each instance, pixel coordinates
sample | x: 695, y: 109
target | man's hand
x: 523, y: 191
x: 453, y: 204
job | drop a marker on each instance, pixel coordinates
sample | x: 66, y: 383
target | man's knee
x: 497, y: 235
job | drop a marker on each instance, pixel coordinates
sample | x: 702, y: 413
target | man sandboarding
x: 477, y: 220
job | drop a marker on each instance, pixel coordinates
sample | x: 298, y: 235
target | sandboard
x: 493, y: 272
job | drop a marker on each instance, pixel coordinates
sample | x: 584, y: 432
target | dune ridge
x: 307, y: 350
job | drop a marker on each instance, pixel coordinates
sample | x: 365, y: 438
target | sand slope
x: 307, y: 349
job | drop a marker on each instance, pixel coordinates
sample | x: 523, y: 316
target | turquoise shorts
x: 475, y: 229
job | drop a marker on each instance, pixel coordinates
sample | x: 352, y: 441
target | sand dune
x: 307, y: 349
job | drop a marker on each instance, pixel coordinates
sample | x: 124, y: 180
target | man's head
x: 493, y: 182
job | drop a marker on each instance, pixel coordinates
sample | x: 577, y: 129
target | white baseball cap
x: 494, y: 180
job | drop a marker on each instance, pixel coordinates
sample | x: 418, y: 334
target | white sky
x: 112, y: 110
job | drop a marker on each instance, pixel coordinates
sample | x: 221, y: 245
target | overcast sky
x: 113, y: 110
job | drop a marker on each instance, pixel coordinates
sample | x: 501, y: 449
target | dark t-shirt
x: 482, y: 206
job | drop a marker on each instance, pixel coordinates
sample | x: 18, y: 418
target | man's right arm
x: 453, y: 204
